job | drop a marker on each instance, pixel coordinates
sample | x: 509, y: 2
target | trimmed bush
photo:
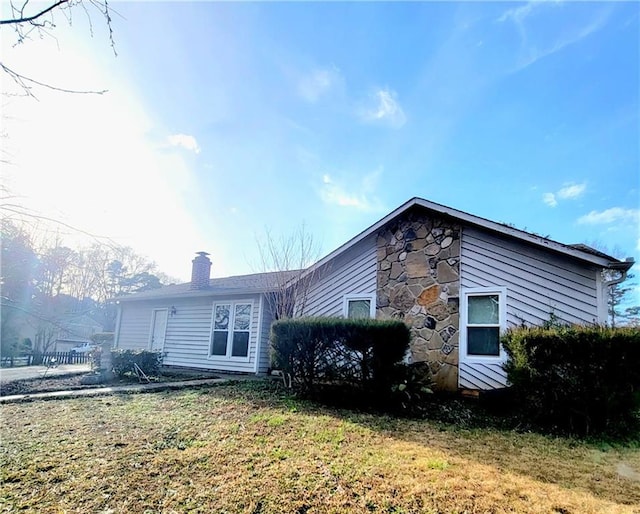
x: 583, y: 380
x: 333, y: 351
x: 123, y: 362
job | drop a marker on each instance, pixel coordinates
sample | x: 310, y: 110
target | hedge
x: 583, y: 380
x: 328, y: 351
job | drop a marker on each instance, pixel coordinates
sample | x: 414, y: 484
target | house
x: 457, y: 279
x: 61, y: 333
x: 75, y: 330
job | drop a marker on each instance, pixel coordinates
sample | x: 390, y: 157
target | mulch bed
x: 70, y: 383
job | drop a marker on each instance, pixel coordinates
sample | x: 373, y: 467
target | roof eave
x: 471, y: 219
x: 621, y: 265
x: 193, y: 294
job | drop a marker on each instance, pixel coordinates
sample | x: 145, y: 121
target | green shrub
x: 412, y: 388
x: 123, y: 362
x: 578, y: 379
x: 103, y: 337
x: 328, y: 351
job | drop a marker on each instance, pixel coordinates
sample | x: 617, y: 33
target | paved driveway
x: 26, y: 372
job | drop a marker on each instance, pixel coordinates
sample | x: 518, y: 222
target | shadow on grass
x: 447, y: 411
x: 483, y: 432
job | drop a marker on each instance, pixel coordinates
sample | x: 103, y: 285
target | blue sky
x: 225, y: 118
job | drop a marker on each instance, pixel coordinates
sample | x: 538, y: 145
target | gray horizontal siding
x: 187, y: 335
x: 353, y: 272
x: 481, y: 376
x: 538, y: 283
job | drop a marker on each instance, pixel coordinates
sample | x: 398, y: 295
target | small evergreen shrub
x: 320, y: 352
x: 583, y: 380
x: 123, y: 362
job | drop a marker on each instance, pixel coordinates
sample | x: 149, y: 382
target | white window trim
x: 359, y: 296
x: 464, y: 311
x: 228, y: 357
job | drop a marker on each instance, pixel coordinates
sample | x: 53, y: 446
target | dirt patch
x: 70, y: 383
x: 626, y: 471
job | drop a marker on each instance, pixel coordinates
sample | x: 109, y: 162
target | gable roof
x: 239, y: 284
x: 80, y: 320
x: 266, y: 282
x: 577, y: 251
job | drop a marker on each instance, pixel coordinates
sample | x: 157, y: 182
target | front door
x: 158, y: 329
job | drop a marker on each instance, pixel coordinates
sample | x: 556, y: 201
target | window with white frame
x: 359, y: 306
x: 484, y: 316
x: 231, y: 329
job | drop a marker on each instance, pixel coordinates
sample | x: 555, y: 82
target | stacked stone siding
x: 419, y: 282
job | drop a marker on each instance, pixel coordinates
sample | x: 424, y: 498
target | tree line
x: 46, y: 283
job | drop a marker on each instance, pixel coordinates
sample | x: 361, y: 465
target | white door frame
x: 164, y: 331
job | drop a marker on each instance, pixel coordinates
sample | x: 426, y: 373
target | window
x: 484, y: 316
x: 231, y: 329
x: 359, y: 306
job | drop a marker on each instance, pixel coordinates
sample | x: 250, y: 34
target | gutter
x: 622, y: 266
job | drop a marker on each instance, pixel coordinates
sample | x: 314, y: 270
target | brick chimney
x: 201, y: 271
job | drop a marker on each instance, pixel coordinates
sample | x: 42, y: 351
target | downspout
x: 615, y: 281
x: 605, y: 289
x: 116, y: 341
x: 256, y: 368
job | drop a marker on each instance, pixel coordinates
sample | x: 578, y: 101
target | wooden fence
x: 46, y: 359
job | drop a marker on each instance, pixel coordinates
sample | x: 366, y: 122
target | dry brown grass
x: 243, y: 448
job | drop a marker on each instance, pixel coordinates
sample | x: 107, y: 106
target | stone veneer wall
x: 419, y: 282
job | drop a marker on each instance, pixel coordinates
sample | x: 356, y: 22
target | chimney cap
x: 203, y: 254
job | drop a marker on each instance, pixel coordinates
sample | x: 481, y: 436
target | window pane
x: 221, y: 321
x: 219, y: 343
x: 359, y: 309
x: 484, y: 310
x: 240, y: 346
x: 483, y: 341
x: 242, y: 317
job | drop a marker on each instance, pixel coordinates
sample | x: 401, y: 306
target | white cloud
x: 549, y: 199
x: 318, y: 83
x: 536, y: 44
x: 335, y: 193
x: 571, y: 191
x: 383, y: 106
x: 185, y: 141
x: 612, y: 215
x: 518, y: 14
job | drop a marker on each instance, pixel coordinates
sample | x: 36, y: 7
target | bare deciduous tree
x: 287, y: 260
x: 43, y: 285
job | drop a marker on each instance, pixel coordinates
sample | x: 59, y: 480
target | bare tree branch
x: 19, y: 211
x: 24, y: 25
x: 30, y: 19
x: 23, y: 82
x: 285, y: 261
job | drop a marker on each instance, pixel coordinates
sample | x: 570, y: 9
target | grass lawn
x: 247, y: 448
